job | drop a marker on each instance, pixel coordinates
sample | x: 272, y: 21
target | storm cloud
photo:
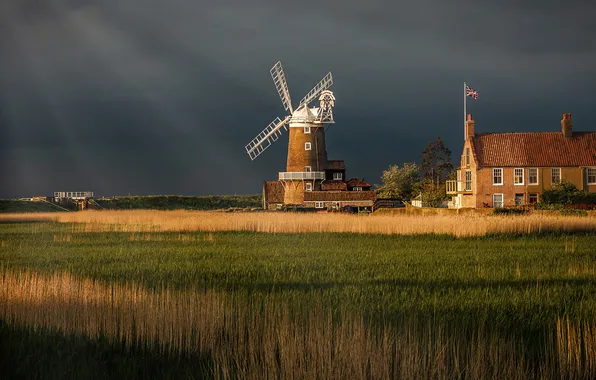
x: 160, y: 97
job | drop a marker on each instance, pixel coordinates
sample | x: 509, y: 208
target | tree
x: 436, y: 162
x: 399, y: 182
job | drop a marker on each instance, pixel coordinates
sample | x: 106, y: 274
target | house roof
x: 334, y: 185
x: 338, y: 196
x: 535, y: 149
x: 336, y: 165
x: 353, y: 182
x: 274, y: 192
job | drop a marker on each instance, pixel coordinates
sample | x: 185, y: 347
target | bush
x: 574, y: 212
x: 566, y: 193
x: 509, y: 211
x: 548, y: 206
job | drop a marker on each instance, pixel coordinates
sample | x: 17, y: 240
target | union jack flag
x: 471, y: 93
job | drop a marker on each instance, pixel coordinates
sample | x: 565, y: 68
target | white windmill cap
x: 303, y: 115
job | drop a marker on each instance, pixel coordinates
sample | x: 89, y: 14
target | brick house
x: 508, y: 169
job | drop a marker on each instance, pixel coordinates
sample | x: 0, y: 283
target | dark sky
x: 160, y: 96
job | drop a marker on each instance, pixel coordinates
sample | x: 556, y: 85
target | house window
x: 533, y: 176
x: 497, y: 176
x: 533, y: 198
x: 308, y: 186
x: 318, y: 204
x: 468, y: 180
x: 468, y: 156
x: 591, y: 176
x: 555, y: 175
x: 459, y: 175
x: 498, y: 200
x: 337, y: 176
x: 518, y: 176
x: 307, y: 129
x: 308, y: 169
x: 307, y: 146
x: 519, y: 199
x: 357, y: 188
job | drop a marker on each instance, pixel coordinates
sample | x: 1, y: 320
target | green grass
x: 515, y: 285
x: 14, y: 206
x: 524, y: 279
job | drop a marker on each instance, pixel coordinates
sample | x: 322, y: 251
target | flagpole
x: 465, y: 114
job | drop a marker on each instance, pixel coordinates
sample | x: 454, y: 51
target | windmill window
x: 307, y: 129
x: 307, y: 146
x: 555, y: 175
x: 533, y: 176
x: 309, y: 187
x: 591, y: 176
x: 308, y: 169
x: 518, y: 176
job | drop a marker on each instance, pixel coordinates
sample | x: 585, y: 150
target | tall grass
x: 266, y: 338
x: 457, y: 225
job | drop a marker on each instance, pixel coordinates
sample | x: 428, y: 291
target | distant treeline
x: 176, y: 202
x: 161, y: 202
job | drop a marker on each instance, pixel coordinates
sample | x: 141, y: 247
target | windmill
x: 307, y: 153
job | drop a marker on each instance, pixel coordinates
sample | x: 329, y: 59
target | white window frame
x: 502, y: 200
x: 530, y: 176
x: 515, y: 176
x: 468, y: 181
x: 308, y: 169
x: 308, y: 186
x: 307, y: 129
x: 551, y: 176
x: 319, y: 205
x: 501, y: 175
x: 467, y: 156
x: 588, y: 175
x: 357, y: 188
x: 338, y: 176
x: 307, y: 146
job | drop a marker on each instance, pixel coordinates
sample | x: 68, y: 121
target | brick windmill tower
x: 307, y: 153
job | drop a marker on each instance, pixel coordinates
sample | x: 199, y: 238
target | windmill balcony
x: 458, y: 187
x: 301, y: 176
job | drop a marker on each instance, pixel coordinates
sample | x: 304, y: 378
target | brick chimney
x: 566, y: 125
x: 469, y: 128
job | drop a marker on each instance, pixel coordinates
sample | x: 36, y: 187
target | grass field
x: 318, y: 305
x: 284, y: 222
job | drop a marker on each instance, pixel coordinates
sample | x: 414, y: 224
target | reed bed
x: 265, y: 338
x: 457, y: 225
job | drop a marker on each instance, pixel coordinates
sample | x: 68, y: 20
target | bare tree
x: 436, y: 162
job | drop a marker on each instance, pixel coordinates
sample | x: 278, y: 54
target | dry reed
x: 265, y: 338
x: 457, y: 225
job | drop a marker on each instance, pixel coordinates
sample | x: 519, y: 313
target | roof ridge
x: 519, y: 133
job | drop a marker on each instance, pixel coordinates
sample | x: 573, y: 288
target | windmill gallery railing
x: 293, y: 176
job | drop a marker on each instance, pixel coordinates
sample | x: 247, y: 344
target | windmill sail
x: 279, y: 79
x: 323, y: 85
x: 267, y: 137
